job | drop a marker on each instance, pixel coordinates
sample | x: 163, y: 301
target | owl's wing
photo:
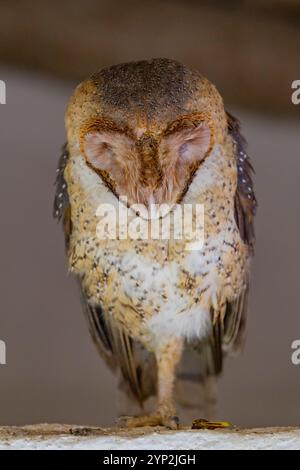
x: 62, y: 211
x: 228, y: 334
x: 233, y: 329
x: 61, y: 206
x: 245, y: 200
x: 138, y: 366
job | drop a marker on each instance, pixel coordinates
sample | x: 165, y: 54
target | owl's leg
x: 167, y: 357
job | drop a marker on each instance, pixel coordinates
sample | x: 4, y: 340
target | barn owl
x: 155, y: 132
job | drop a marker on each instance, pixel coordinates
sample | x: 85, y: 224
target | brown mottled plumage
x: 157, y: 132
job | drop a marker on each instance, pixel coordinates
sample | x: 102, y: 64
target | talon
x: 122, y: 421
x: 205, y: 424
x: 172, y: 423
x: 81, y: 431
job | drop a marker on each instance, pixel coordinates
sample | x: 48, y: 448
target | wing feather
x: 137, y: 366
x: 119, y: 350
x: 245, y: 200
x: 228, y: 330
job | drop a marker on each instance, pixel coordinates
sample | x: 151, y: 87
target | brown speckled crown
x: 149, y: 93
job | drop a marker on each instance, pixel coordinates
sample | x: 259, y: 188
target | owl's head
x: 146, y: 128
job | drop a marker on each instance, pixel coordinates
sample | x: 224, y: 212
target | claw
x: 205, y: 424
x: 172, y: 422
x: 82, y: 431
x: 122, y: 421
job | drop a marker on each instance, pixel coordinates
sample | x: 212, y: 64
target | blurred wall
x: 250, y: 49
x: 53, y: 371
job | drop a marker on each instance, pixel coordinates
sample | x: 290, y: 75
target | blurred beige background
x: 53, y: 371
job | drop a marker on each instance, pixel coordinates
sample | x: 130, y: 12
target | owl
x: 153, y: 133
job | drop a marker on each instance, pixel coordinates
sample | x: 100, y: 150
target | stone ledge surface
x: 62, y: 436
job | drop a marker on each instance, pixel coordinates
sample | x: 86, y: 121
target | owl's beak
x: 152, y: 207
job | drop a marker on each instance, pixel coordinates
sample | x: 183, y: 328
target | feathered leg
x: 195, y: 391
x: 167, y: 357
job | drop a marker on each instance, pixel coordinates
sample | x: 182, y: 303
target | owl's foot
x: 205, y: 424
x: 170, y: 422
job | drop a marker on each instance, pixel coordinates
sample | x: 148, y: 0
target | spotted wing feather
x: 228, y: 333
x: 137, y: 366
x: 245, y: 200
x: 61, y: 198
